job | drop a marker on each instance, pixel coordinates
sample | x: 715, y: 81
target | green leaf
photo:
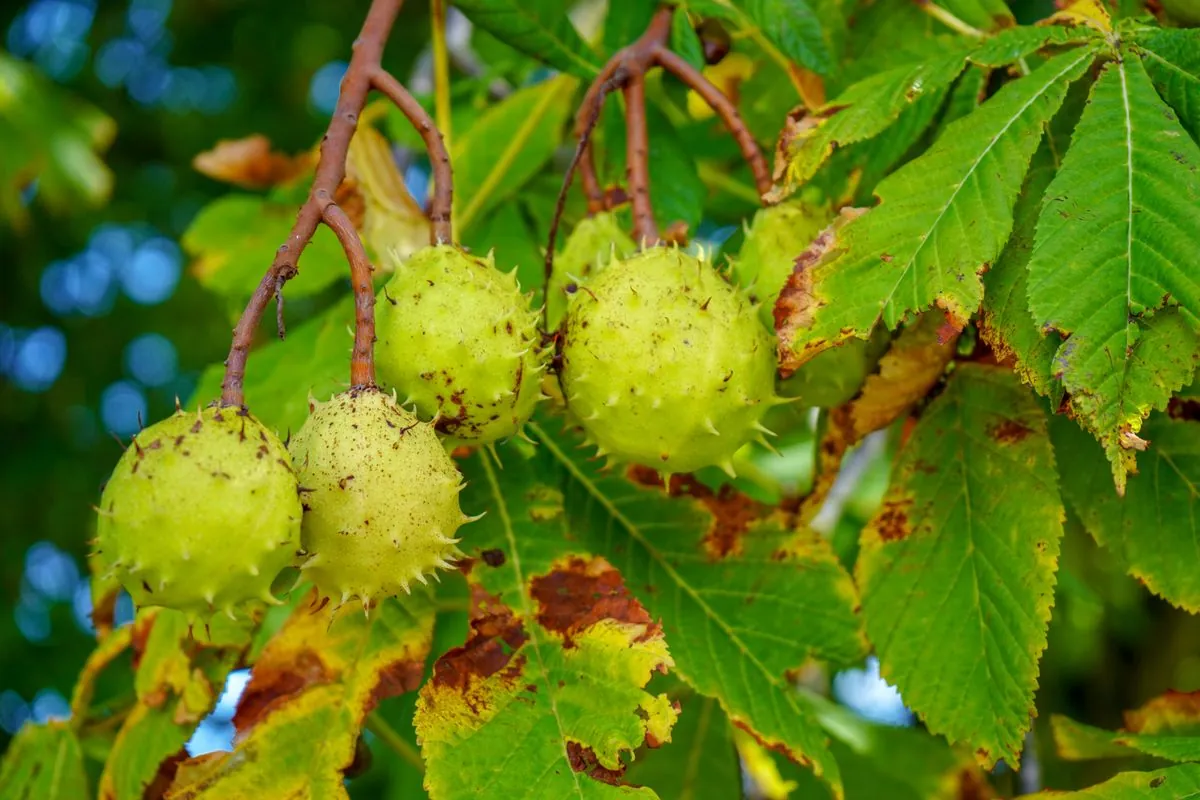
x: 699, y: 762
x: 1011, y: 45
x: 52, y: 138
x: 1167, y: 727
x: 538, y: 28
x: 314, y: 360
x: 863, y: 111
x: 1171, y: 57
x: 233, y: 241
x: 181, y: 671
x: 1173, y: 783
x: 941, y: 220
x: 794, y: 28
x: 309, y: 693
x: 742, y: 601
x: 986, y: 15
x: 957, y: 567
x: 1006, y: 324
x: 507, y: 145
x: 548, y: 693
x: 44, y: 762
x: 685, y: 42
x: 1153, y: 530
x: 625, y: 21
x: 1112, y: 247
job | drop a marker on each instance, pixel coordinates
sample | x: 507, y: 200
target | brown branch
x: 362, y: 360
x: 637, y: 161
x: 331, y: 169
x: 728, y: 113
x: 439, y: 160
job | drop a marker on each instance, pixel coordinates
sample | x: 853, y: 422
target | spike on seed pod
x: 594, y: 244
x: 198, y: 495
x: 383, y: 499
x: 459, y: 343
x: 665, y: 335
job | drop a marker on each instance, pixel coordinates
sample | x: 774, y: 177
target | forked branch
x: 364, y: 73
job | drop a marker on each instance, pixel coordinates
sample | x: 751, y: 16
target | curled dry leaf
x: 250, y: 163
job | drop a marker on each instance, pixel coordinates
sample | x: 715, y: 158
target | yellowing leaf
x: 957, y: 568
x: 1091, y: 13
x: 394, y: 226
x: 1167, y: 727
x: 309, y: 693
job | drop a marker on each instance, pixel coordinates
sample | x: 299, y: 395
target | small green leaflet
x: 941, y: 220
x: 1171, y: 57
x: 1167, y: 727
x: 793, y: 27
x: 44, y: 762
x: 727, y: 589
x: 1153, y: 529
x: 538, y: 28
x: 547, y: 694
x: 957, y: 568
x: 1173, y: 783
x: 1115, y: 245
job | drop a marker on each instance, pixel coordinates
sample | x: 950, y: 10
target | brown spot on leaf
x: 891, y: 522
x: 493, y: 558
x: 496, y: 634
x: 272, y: 685
x: 732, y: 511
x: 1009, y: 431
x: 583, y: 759
x: 396, y: 679
x: 579, y: 593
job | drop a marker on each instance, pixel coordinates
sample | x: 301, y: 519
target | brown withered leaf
x: 251, y: 163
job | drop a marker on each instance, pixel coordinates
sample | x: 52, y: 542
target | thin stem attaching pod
x: 363, y: 74
x: 626, y: 71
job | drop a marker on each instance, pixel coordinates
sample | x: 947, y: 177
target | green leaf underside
x: 538, y: 28
x: 1171, y: 57
x: 1153, y: 531
x: 308, y: 693
x: 44, y: 762
x: 941, y: 219
x: 1114, y: 245
x: 1007, y: 326
x: 234, y: 239
x: 281, y: 376
x: 957, y: 569
x: 1173, y: 783
x: 736, y: 624
x: 565, y: 682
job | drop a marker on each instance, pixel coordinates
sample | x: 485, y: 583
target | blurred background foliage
x: 103, y: 107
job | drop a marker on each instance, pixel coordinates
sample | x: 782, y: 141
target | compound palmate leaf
x: 743, y: 600
x: 941, y: 219
x: 547, y: 695
x: 957, y: 568
x: 1167, y: 727
x: 1114, y: 245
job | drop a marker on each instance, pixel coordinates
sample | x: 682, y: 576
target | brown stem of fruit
x: 626, y: 70
x: 362, y: 359
x: 441, y: 231
x: 363, y: 74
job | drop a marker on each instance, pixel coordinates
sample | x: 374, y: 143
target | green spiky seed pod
x: 596, y: 241
x: 201, y: 513
x: 380, y: 497
x: 457, y: 338
x: 665, y: 364
x: 776, y: 235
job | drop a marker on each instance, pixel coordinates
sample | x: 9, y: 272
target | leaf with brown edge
x: 180, y: 670
x: 251, y: 163
x: 1167, y: 726
x: 738, y: 624
x: 957, y: 568
x: 546, y: 698
x: 311, y: 689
